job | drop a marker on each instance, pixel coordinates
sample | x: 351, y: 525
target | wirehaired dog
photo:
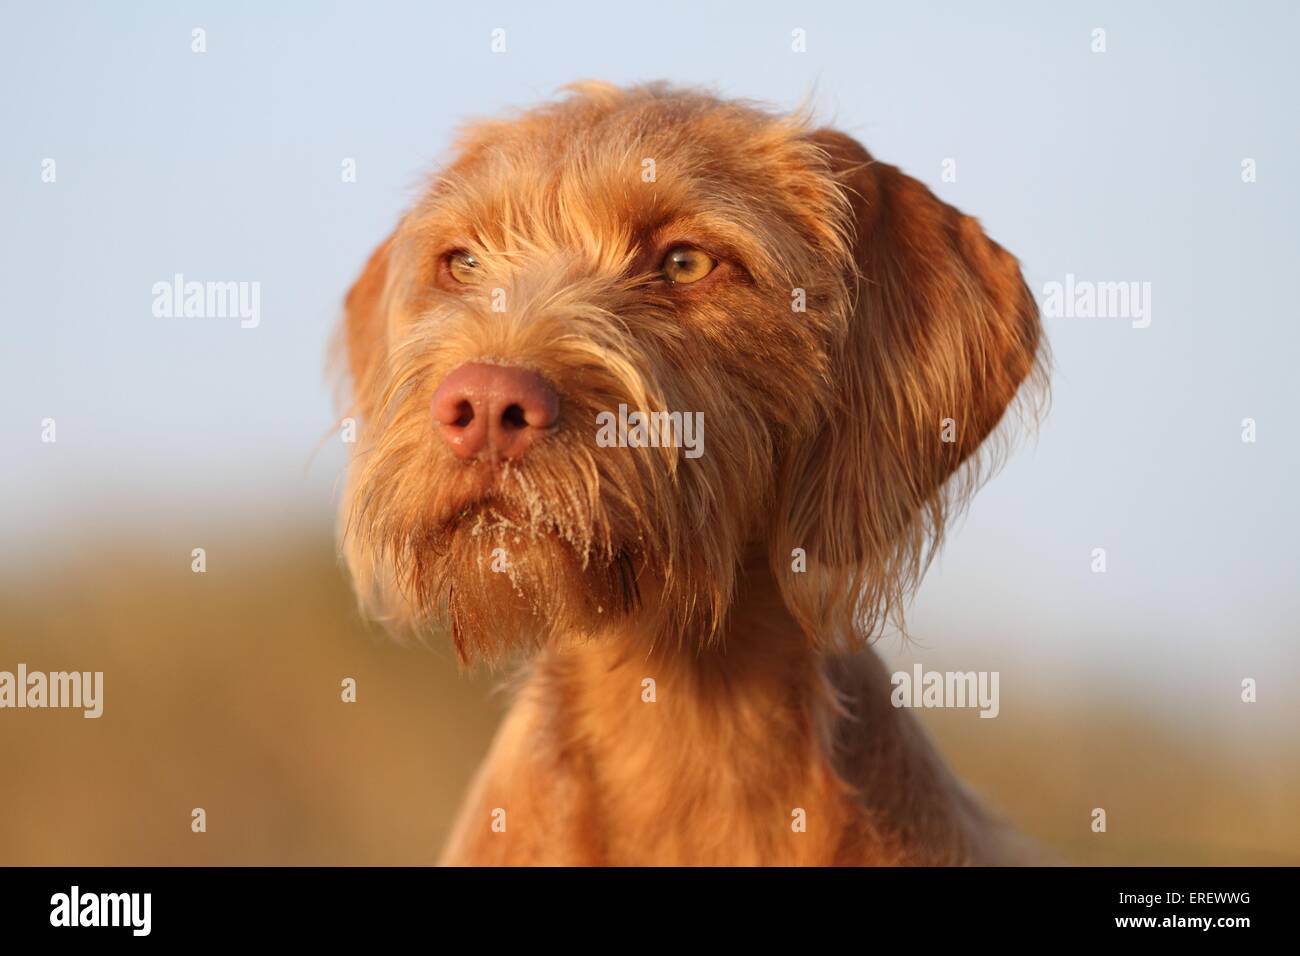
x: 698, y: 688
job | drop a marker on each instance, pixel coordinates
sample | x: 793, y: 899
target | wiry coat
x: 851, y: 352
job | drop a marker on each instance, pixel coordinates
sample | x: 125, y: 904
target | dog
x: 698, y: 685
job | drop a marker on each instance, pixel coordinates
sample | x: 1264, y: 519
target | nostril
x: 464, y: 414
x: 493, y: 412
x: 514, y: 417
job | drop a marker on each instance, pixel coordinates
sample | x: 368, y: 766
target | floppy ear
x: 361, y: 347
x: 362, y: 338
x: 941, y: 333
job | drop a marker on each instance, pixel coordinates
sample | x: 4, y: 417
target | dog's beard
x: 503, y: 582
x: 502, y: 559
x: 573, y: 542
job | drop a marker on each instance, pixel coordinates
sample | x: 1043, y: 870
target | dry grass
x: 222, y: 691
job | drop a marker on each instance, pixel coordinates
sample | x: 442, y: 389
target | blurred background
x: 1119, y: 690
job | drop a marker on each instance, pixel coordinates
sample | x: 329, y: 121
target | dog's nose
x: 493, y: 411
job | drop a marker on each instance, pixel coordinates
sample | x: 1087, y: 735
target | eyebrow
x: 694, y: 230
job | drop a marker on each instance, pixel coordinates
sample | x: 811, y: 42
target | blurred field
x: 222, y: 692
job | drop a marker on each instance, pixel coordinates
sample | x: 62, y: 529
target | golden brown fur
x: 823, y: 432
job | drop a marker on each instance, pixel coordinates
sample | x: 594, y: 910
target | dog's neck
x: 759, y: 654
x: 675, y: 733
x: 756, y: 749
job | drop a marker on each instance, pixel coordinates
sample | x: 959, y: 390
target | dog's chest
x: 698, y: 774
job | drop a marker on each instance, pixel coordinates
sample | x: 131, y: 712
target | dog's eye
x: 686, y: 264
x: 464, y: 268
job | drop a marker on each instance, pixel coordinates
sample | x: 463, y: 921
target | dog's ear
x: 363, y: 337
x: 941, y: 332
x: 361, y: 347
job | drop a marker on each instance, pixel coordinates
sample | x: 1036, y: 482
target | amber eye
x: 464, y: 268
x: 686, y: 264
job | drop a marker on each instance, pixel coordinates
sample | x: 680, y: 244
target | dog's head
x: 628, y: 340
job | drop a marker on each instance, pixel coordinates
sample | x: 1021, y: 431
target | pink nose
x: 493, y: 411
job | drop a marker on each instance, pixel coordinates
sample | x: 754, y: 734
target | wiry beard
x: 509, y: 586
x: 499, y: 565
x: 503, y: 577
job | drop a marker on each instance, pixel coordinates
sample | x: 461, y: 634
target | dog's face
x: 811, y: 321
